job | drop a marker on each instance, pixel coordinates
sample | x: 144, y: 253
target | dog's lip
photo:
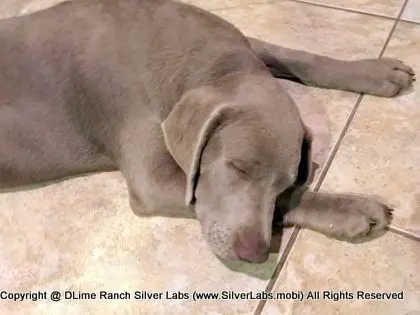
x: 259, y: 260
x: 236, y: 258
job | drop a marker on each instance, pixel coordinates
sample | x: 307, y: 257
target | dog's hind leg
x: 382, y: 77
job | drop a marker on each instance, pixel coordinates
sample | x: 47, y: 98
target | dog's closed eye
x: 239, y: 167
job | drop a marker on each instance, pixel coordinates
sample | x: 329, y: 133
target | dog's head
x: 238, y: 152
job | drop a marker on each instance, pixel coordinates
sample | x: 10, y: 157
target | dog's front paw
x: 379, y: 214
x: 385, y: 77
x: 364, y: 217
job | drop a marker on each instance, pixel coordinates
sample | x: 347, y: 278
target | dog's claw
x: 389, y: 211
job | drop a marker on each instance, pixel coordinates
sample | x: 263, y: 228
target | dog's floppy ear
x: 305, y: 165
x: 188, y: 128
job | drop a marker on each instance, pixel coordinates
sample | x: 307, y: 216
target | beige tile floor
x: 80, y: 234
x: 389, y: 8
x: 412, y: 11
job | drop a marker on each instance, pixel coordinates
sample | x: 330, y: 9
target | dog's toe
x: 397, y: 64
x: 380, y: 213
x: 401, y: 78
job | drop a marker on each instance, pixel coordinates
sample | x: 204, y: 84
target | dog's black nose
x: 250, y: 246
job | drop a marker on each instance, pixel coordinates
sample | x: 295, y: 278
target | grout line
x: 402, y: 10
x: 404, y: 233
x: 279, y: 267
x: 295, y: 234
x: 393, y: 29
x: 410, y: 22
x: 327, y: 6
x: 337, y: 144
x: 237, y: 6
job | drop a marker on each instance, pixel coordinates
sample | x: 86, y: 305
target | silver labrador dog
x: 186, y: 107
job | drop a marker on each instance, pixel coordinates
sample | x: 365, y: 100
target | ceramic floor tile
x: 221, y: 4
x: 412, y: 11
x: 335, y: 33
x: 389, y: 8
x: 81, y: 236
x: 317, y: 264
x: 331, y: 109
x: 10, y: 8
x: 381, y: 152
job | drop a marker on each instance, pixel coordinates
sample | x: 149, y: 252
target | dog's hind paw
x: 385, y: 77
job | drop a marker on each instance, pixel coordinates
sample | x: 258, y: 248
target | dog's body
x: 185, y: 106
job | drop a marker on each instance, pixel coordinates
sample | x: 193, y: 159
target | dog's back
x: 70, y: 76
x: 38, y: 141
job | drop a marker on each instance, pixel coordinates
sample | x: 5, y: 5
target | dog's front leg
x: 381, y: 76
x: 155, y: 182
x: 341, y: 216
